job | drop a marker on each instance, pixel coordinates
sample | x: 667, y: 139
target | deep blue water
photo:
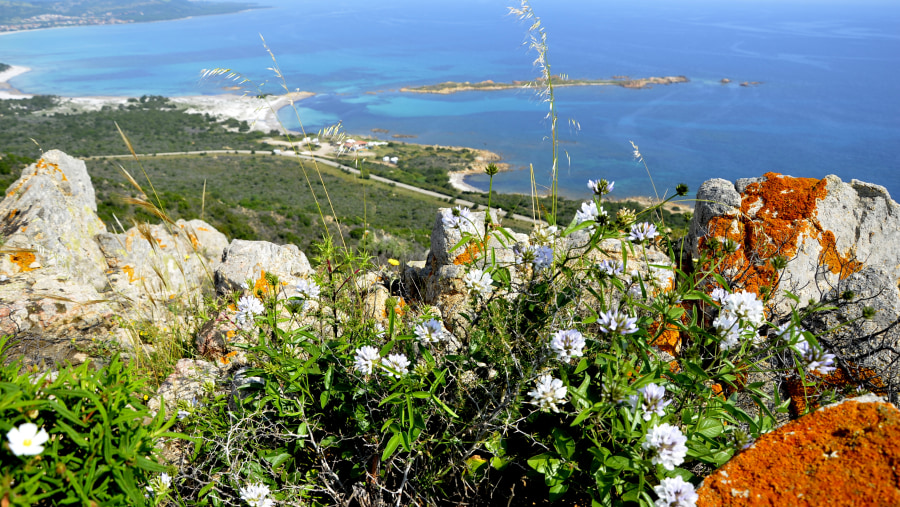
x: 828, y: 103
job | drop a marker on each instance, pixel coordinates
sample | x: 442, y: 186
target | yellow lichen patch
x: 24, y: 260
x: 227, y: 357
x: 12, y: 214
x: 842, y: 456
x: 129, y: 270
x: 204, y: 229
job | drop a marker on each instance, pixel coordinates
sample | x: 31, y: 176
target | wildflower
x: 674, y: 492
x: 634, y: 292
x: 247, y: 308
x: 379, y: 330
x: 308, y: 289
x: 614, y: 322
x: 643, y: 231
x: 544, y: 235
x: 548, y: 391
x: 543, y: 258
x: 589, y: 213
x: 601, y: 186
x: 398, y: 363
x: 393, y: 262
x: 611, y: 268
x: 815, y: 358
x: 625, y: 217
x: 728, y: 324
x: 429, y: 331
x: 182, y: 414
x: 366, y: 359
x: 459, y: 218
x: 160, y: 485
x: 26, y: 440
x: 255, y: 495
x: 745, y: 305
x: 718, y: 295
x: 567, y: 344
x: 654, y: 400
x: 667, y: 444
x: 479, y: 282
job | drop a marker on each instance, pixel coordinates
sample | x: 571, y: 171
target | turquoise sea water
x: 828, y: 103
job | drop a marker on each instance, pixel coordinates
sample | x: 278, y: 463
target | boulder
x: 48, y: 221
x: 826, y: 229
x: 251, y: 260
x: 843, y: 454
x: 185, y: 383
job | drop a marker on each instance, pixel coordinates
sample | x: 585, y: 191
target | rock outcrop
x: 824, y: 241
x: 826, y: 229
x: 244, y: 261
x: 66, y: 284
x: 844, y: 454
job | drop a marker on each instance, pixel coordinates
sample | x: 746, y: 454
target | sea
x: 826, y: 101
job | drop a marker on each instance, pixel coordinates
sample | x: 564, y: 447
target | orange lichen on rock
x: 776, y: 216
x: 472, y: 251
x: 841, y: 455
x: 129, y: 270
x: 668, y: 340
x: 24, y: 260
x: 261, y: 287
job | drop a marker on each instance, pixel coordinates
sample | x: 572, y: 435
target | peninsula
x: 557, y: 81
x: 18, y: 15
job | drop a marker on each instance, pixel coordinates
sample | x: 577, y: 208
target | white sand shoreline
x: 6, y: 89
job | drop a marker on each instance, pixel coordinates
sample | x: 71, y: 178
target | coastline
x: 262, y: 115
x: 6, y: 89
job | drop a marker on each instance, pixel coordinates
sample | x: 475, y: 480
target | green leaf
x: 278, y: 459
x: 563, y: 443
x: 391, y: 446
x: 617, y: 462
x: 582, y: 365
x: 710, y: 428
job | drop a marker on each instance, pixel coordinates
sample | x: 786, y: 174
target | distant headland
x: 18, y: 15
x: 557, y: 81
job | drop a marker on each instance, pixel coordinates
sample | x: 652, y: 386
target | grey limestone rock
x: 247, y: 260
x: 48, y: 219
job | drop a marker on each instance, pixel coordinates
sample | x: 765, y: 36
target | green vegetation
x: 3, y: 67
x: 453, y: 86
x: 22, y: 15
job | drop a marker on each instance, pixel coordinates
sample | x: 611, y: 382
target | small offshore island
x: 18, y: 15
x: 623, y: 81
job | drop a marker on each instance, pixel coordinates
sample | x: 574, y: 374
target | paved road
x: 351, y: 170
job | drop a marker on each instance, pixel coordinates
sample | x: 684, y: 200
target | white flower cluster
x: 540, y: 256
x: 675, y: 492
x: 567, y: 344
x: 654, y: 401
x: 741, y: 314
x: 256, y: 495
x: 248, y: 307
x: 544, y: 235
x: 589, y: 213
x: 430, y: 331
x: 308, y: 289
x: 643, y: 231
x: 667, y: 444
x: 160, y: 485
x: 460, y: 218
x: 611, y: 268
x: 614, y: 322
x: 479, y: 282
x: 601, y: 186
x: 368, y: 358
x: 813, y: 357
x: 548, y: 393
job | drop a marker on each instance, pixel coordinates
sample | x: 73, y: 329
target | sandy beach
x: 6, y: 90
